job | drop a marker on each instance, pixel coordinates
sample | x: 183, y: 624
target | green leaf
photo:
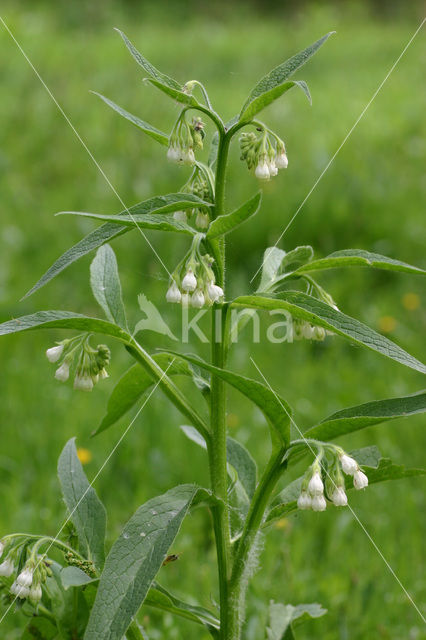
x: 276, y: 261
x: 153, y: 320
x: 133, y: 384
x: 262, y: 101
x: 360, y: 258
x: 74, y: 577
x: 151, y: 131
x: 106, y: 286
x: 282, y: 617
x: 159, y: 204
x: 226, y: 223
x: 296, y: 257
x: 175, y: 93
x: 149, y: 68
x: 86, y: 510
x: 243, y: 463
x: 159, y: 598
x: 388, y: 470
x: 237, y: 456
x: 134, y: 561
x: 275, y: 409
x: 63, y: 320
x: 301, y: 305
x: 273, y: 85
x: 39, y: 629
x: 157, y: 222
x: 365, y: 415
x: 367, y: 456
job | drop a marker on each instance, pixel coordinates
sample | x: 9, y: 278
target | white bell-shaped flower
x: 7, y: 568
x: 304, y: 501
x: 25, y: 578
x: 36, y: 593
x: 316, y: 486
x: 19, y: 591
x: 339, y: 497
x: 63, y: 372
x: 202, y: 220
x: 173, y: 294
x: 189, y: 282
x: 180, y: 216
x: 214, y: 291
x: 319, y: 503
x: 262, y: 171
x: 360, y: 480
x: 173, y: 154
x: 281, y: 160
x: 349, y: 465
x: 197, y: 299
x: 83, y: 382
x: 54, y: 353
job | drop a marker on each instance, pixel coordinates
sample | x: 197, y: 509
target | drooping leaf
x: 273, y: 85
x: 106, y: 232
x: 275, y: 409
x: 301, y: 305
x: 160, y: 598
x: 295, y: 257
x: 106, y: 287
x: 74, y: 577
x: 134, y: 561
x: 230, y: 221
x: 262, y: 101
x: 63, y: 320
x: 283, y: 617
x: 276, y: 261
x: 86, y: 510
x: 360, y: 258
x: 365, y: 415
x: 177, y: 94
x: 151, y: 131
x: 149, y: 68
x: 158, y: 222
x: 133, y: 384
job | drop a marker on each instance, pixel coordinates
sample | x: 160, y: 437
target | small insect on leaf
x: 171, y: 558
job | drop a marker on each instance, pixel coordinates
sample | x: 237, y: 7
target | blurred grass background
x: 372, y: 197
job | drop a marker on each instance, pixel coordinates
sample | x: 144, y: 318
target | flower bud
x: 262, y: 171
x: 202, y: 220
x: 35, y: 594
x: 83, y: 382
x: 308, y: 331
x: 339, y: 497
x: 173, y: 294
x: 319, y: 333
x: 63, y: 372
x: 188, y: 156
x: 103, y: 373
x: 360, y: 480
x: 7, y: 568
x: 281, y: 160
x: 197, y: 299
x: 214, y: 291
x: 54, y: 353
x: 319, y: 503
x: 189, y: 283
x: 316, y: 486
x: 304, y: 501
x: 25, y: 578
x: 349, y: 465
x: 173, y: 154
x: 180, y: 216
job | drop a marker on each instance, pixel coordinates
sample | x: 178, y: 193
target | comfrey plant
x: 66, y: 584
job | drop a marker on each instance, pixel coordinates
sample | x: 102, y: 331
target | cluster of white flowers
x: 91, y: 362
x: 200, y: 184
x: 312, y: 490
x: 184, y: 139
x: 265, y: 154
x: 301, y: 329
x: 194, y: 292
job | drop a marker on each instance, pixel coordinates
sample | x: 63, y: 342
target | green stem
x: 246, y: 543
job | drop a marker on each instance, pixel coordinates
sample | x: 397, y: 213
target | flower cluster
x: 91, y: 362
x: 264, y: 153
x: 302, y: 329
x: 313, y: 485
x: 193, y: 281
x: 201, y: 184
x: 184, y: 139
x: 28, y: 582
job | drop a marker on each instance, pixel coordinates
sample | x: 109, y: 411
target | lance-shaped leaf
x: 160, y: 598
x: 237, y: 456
x: 86, y: 510
x: 283, y: 617
x: 300, y: 305
x: 63, y: 320
x: 262, y: 101
x: 151, y: 131
x: 359, y: 258
x: 134, y: 561
x: 106, y: 287
x: 175, y: 93
x: 276, y: 261
x: 226, y: 223
x: 74, y: 577
x: 159, y: 204
x: 149, y: 68
x: 274, y: 84
x: 133, y: 384
x: 157, y: 222
x: 365, y: 415
x: 275, y: 409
